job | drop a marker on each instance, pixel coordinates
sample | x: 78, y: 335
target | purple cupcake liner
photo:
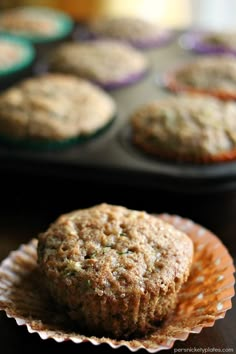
x: 194, y: 41
x: 129, y: 80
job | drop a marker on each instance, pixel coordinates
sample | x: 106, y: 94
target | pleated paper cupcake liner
x: 202, y: 300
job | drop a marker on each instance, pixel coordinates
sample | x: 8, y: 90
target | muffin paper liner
x: 204, y: 298
x: 47, y: 144
x: 194, y: 41
x: 170, y: 81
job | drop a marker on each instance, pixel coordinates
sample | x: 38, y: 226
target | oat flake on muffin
x: 53, y: 107
x: 187, y: 127
x: 116, y: 271
x: 108, y: 63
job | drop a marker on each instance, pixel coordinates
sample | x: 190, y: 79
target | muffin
x: 53, y: 108
x: 109, y: 64
x: 139, y: 32
x: 37, y: 24
x: 117, y: 272
x: 212, y: 75
x: 16, y: 56
x: 194, y: 128
x: 211, y: 43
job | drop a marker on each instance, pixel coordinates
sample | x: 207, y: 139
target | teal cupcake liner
x: 47, y: 144
x: 27, y: 57
x: 64, y: 22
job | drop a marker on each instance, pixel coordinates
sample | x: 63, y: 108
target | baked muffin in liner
x: 37, y: 24
x: 138, y: 32
x: 108, y: 63
x: 203, y: 299
x: 116, y: 271
x: 212, y: 75
x: 53, y: 111
x: 15, y: 55
x: 209, y: 43
x: 189, y: 128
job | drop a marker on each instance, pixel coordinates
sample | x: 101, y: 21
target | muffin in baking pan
x: 194, y: 128
x: 16, y: 58
x: 37, y: 24
x: 139, y: 32
x: 210, y: 42
x: 116, y: 271
x: 211, y: 75
x: 108, y: 63
x: 53, y: 110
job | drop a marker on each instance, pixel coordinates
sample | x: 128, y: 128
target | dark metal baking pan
x: 112, y: 158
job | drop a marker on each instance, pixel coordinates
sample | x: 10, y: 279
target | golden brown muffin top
x: 213, y: 73
x: 102, y: 61
x: 27, y: 19
x: 125, y: 28
x: 55, y: 107
x: 187, y: 124
x: 115, y: 251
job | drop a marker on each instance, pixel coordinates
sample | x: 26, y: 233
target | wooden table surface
x: 29, y: 204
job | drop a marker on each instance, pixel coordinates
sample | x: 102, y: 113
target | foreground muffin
x: 116, y: 271
x: 212, y: 75
x: 37, y: 24
x: 187, y: 128
x: 53, y: 108
x: 139, y: 32
x: 110, y: 64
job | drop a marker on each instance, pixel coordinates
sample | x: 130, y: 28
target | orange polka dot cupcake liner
x: 205, y: 297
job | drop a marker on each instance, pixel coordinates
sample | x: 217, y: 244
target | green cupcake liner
x: 39, y: 145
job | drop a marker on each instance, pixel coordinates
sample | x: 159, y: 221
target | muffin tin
x: 111, y: 156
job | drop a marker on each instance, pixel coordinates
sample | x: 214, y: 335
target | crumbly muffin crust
x: 186, y: 127
x: 53, y: 107
x: 209, y: 73
x: 101, y: 61
x: 131, y: 29
x: 117, y: 271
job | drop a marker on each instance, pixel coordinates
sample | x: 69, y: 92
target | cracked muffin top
x: 115, y: 251
x: 186, y: 125
x: 104, y: 62
x: 54, y: 107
